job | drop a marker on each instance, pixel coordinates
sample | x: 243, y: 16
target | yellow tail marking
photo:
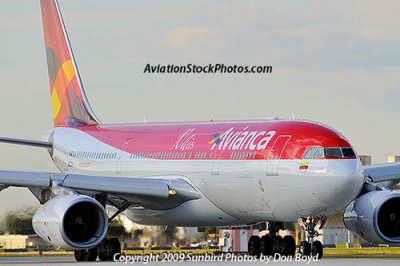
x: 55, y: 103
x: 69, y: 70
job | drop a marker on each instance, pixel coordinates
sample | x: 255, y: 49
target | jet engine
x: 71, y: 222
x: 375, y: 216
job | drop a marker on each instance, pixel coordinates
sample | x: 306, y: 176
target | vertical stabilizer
x: 69, y: 103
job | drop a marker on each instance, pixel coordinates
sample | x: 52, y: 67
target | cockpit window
x: 319, y: 152
x: 310, y: 153
x: 333, y: 152
x: 348, y: 152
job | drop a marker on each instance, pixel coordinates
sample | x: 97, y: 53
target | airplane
x: 216, y: 173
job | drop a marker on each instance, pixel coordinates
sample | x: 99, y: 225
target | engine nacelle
x: 71, y: 222
x: 375, y: 216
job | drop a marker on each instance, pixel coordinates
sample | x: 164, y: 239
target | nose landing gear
x: 272, y: 243
x: 311, y: 247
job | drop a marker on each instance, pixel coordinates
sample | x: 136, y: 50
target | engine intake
x: 389, y: 218
x: 71, y: 222
x: 375, y: 216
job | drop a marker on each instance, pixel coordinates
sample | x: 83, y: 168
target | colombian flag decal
x: 304, y: 166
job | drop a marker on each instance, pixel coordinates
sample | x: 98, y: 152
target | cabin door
x: 123, y: 156
x: 275, y: 155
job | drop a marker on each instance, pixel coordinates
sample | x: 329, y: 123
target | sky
x: 336, y: 62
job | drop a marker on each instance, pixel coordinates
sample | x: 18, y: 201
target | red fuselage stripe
x: 218, y: 140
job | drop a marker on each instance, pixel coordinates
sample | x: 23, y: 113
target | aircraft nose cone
x: 345, y: 183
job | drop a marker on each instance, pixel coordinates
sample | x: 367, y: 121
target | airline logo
x: 217, y: 138
x: 241, y: 139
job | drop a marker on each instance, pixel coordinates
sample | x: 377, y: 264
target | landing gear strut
x: 272, y: 243
x: 106, y: 251
x: 311, y: 247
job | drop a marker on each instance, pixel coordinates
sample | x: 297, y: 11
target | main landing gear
x: 311, y: 247
x: 106, y: 251
x: 272, y: 243
x: 109, y: 247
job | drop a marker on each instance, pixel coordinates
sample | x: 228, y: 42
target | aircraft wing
x: 155, y: 192
x: 383, y: 172
x: 34, y: 143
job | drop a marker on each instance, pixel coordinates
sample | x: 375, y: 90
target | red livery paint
x: 277, y: 139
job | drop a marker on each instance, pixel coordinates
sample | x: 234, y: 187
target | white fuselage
x: 234, y: 192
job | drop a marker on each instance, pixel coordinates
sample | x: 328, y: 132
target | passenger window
x: 310, y: 153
